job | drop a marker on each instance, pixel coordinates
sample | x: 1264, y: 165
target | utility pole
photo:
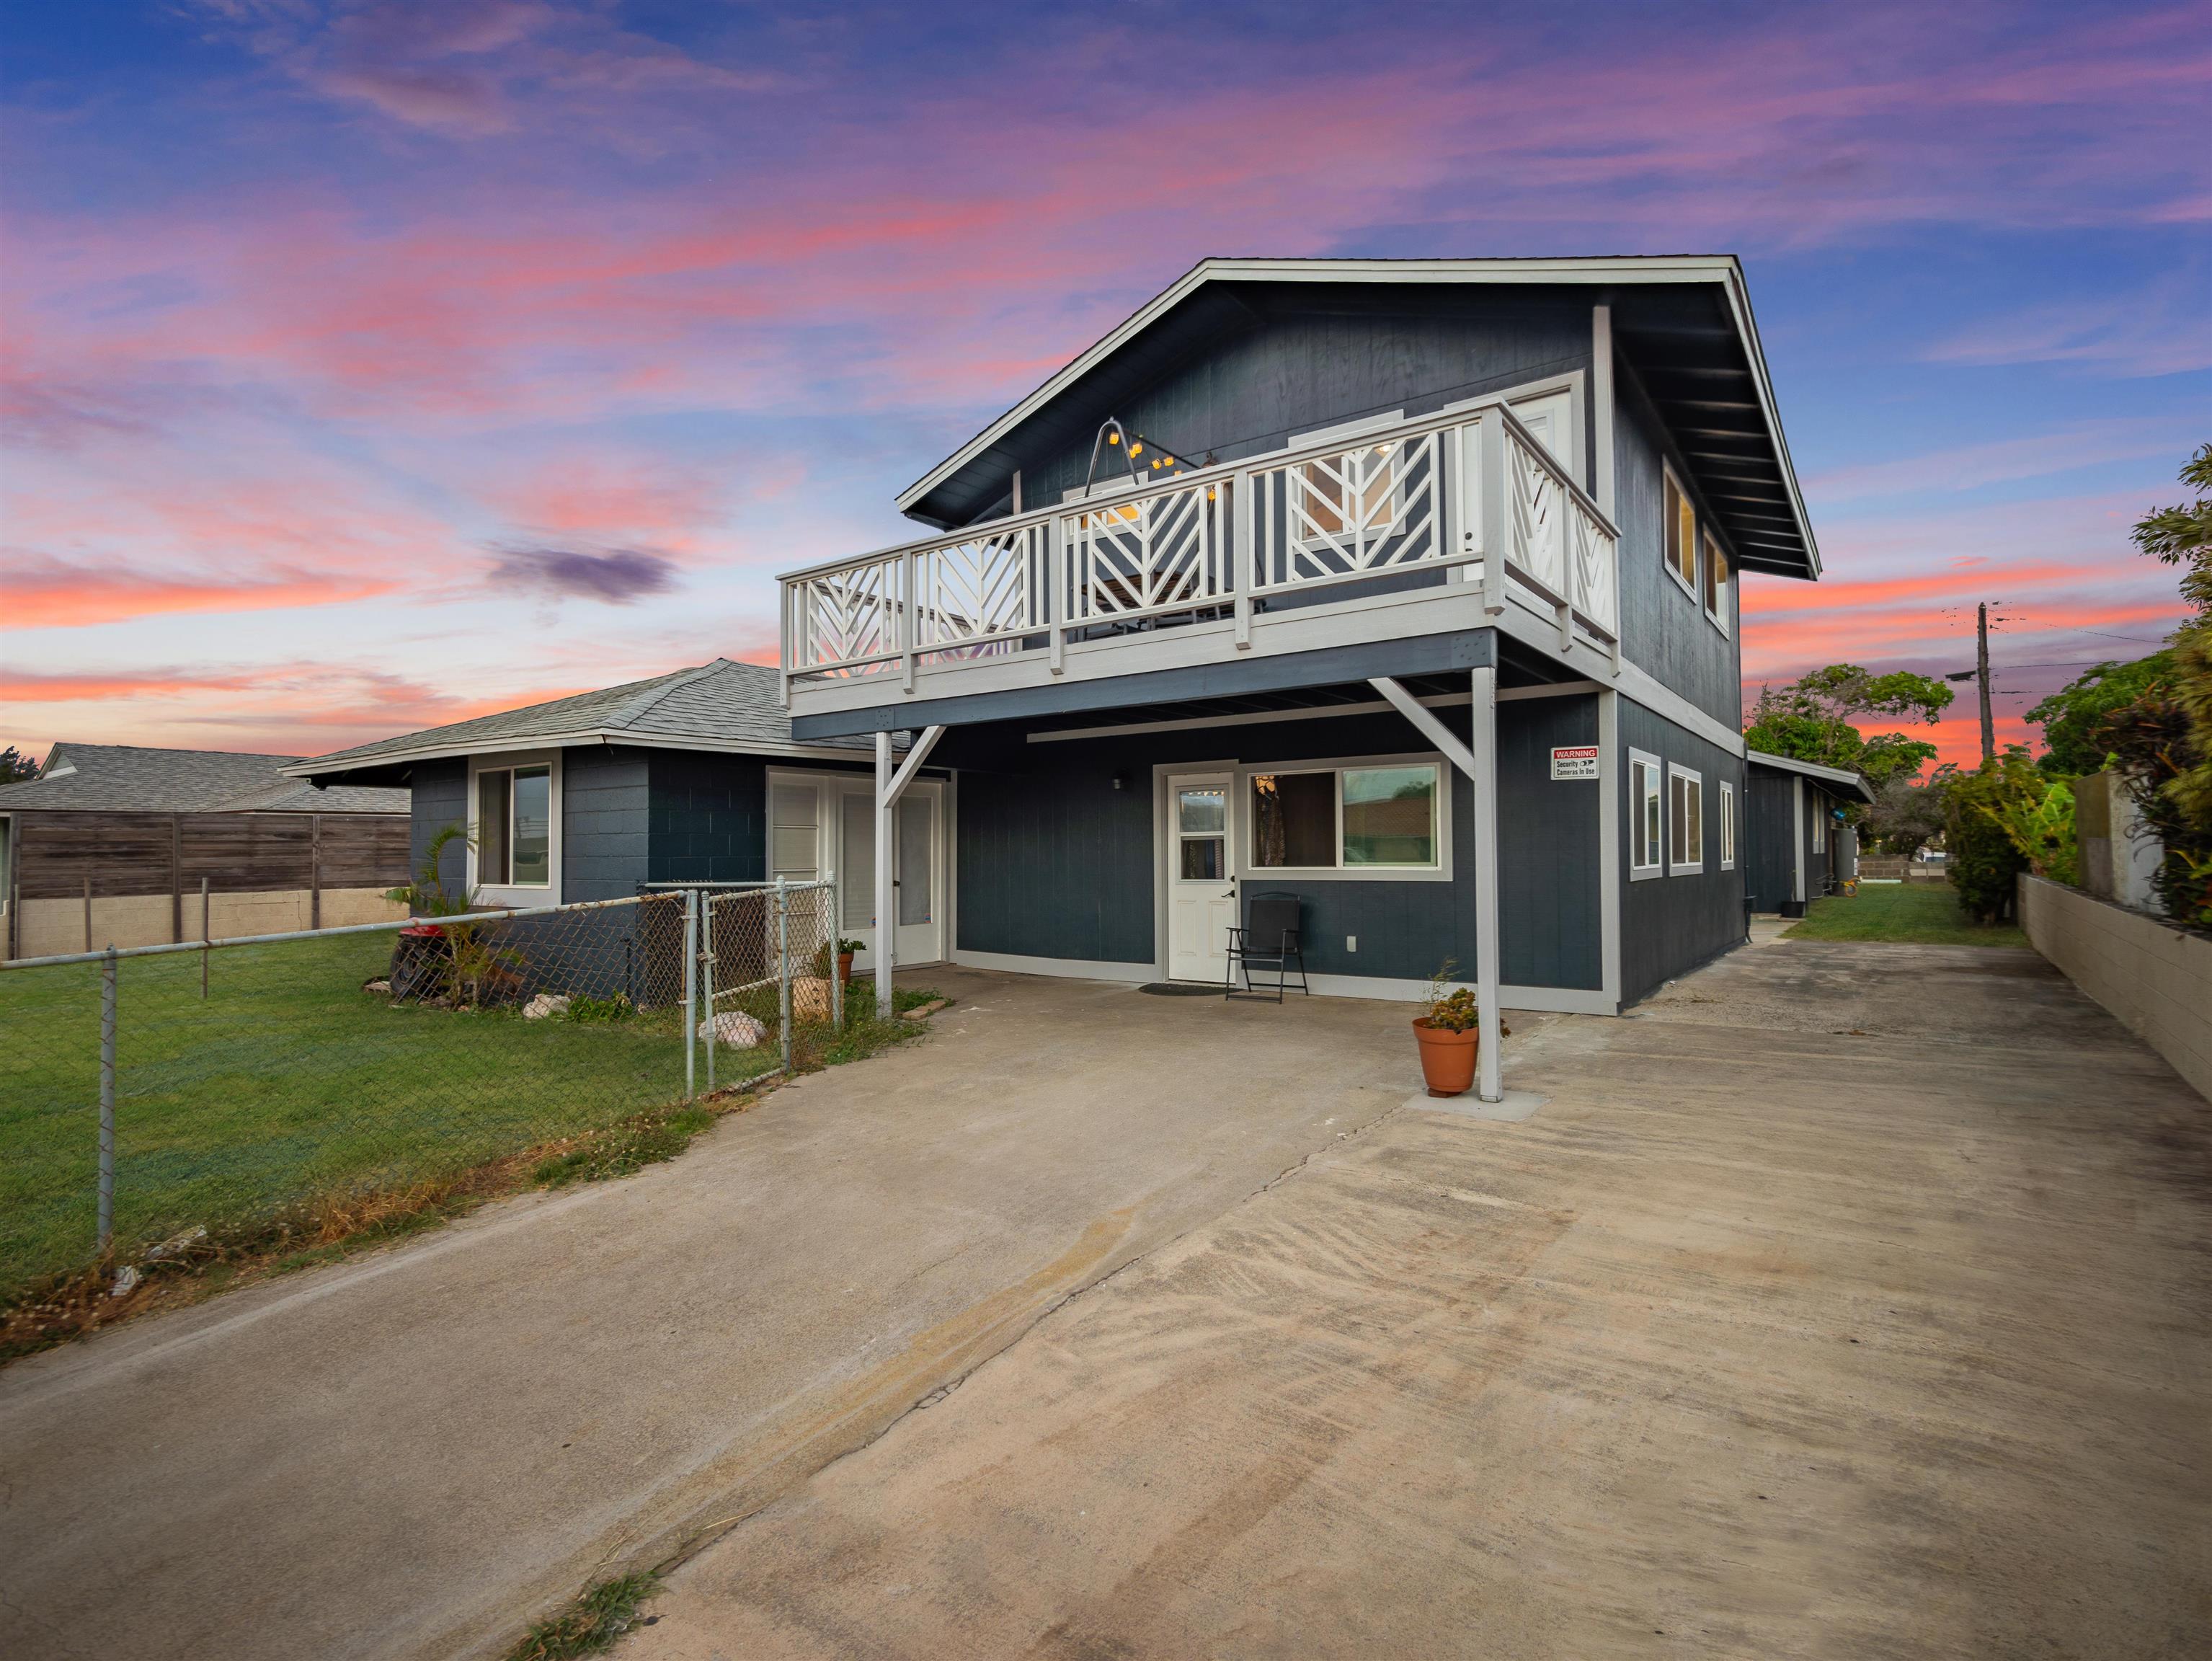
x: 1982, y: 673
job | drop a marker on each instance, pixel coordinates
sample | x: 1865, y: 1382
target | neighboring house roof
x: 130, y: 778
x: 720, y: 706
x: 1844, y: 776
x: 1705, y: 369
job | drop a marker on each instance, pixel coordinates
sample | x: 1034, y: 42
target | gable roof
x: 720, y: 706
x: 133, y: 778
x: 1684, y: 321
x: 1812, y: 769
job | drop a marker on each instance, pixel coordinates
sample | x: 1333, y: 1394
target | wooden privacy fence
x: 148, y: 858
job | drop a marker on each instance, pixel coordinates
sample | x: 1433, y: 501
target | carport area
x: 1846, y: 1300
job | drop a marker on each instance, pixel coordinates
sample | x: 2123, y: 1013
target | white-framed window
x: 794, y: 828
x: 1647, y: 823
x: 1376, y: 817
x: 1681, y: 522
x: 1728, y: 825
x: 514, y: 828
x: 1819, y: 823
x: 1717, y: 577
x: 1686, y: 822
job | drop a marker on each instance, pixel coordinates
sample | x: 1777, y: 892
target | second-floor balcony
x: 1457, y: 514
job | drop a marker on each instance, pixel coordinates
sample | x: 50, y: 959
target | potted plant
x: 1447, y: 1034
x: 845, y: 951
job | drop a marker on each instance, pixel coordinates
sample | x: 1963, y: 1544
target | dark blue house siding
x: 1321, y: 360
x: 707, y: 818
x: 1664, y: 631
x: 603, y: 821
x: 1055, y: 863
x: 1669, y: 925
x: 1770, y: 823
x: 1550, y: 889
x: 440, y: 798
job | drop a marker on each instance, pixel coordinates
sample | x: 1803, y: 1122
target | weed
x: 591, y: 1012
x: 589, y: 1626
x: 623, y: 1149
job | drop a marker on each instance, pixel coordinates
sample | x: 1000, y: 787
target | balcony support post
x: 1489, y: 454
x: 889, y: 787
x: 1055, y: 589
x: 1243, y: 557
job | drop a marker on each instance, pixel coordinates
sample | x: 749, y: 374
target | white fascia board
x: 1812, y: 769
x: 500, y: 746
x: 1617, y: 270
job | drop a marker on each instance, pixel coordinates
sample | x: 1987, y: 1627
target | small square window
x: 1647, y: 815
x: 1728, y: 825
x: 1686, y: 822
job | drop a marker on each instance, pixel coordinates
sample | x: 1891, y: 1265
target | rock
x: 126, y: 1281
x: 735, y: 1028
x: 176, y: 1245
x: 384, y: 987
x: 545, y: 1004
x: 923, y: 1012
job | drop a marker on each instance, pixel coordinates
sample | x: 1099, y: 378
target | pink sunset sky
x: 370, y: 366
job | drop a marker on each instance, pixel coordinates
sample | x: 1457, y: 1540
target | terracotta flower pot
x: 844, y: 968
x: 1447, y: 1058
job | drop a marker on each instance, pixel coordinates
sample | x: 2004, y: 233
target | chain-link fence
x: 146, y: 1094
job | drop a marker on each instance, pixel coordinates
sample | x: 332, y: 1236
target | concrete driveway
x: 1847, y: 1300
x: 409, y: 1455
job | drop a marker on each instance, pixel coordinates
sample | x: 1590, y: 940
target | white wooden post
x: 1243, y: 553
x: 1485, y: 747
x: 1490, y: 464
x: 887, y: 911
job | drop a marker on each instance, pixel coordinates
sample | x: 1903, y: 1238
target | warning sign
x: 1575, y: 761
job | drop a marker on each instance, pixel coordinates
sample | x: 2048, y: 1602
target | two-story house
x: 1405, y: 586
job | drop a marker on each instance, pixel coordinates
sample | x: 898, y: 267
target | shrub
x: 1985, y: 860
x: 2041, y: 825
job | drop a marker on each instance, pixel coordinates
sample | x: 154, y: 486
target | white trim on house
x: 1812, y: 770
x: 513, y: 893
x: 1602, y: 400
x: 1612, y: 787
x: 1728, y: 825
x: 1564, y: 1000
x: 1639, y: 869
x: 1670, y: 478
x: 1722, y: 270
x: 1259, y: 717
x: 579, y: 740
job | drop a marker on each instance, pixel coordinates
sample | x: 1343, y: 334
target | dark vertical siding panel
x: 1770, y: 821
x: 440, y: 798
x: 1663, y: 630
x: 1669, y: 925
x: 1549, y: 877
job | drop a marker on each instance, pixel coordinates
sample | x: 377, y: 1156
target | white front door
x: 1201, y: 879
x: 918, y: 878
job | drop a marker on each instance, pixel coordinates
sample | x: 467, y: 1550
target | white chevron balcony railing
x: 1421, y: 505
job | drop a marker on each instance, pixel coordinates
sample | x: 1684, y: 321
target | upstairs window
x: 1686, y: 822
x: 1646, y: 815
x: 1681, y: 521
x: 1728, y: 825
x: 1716, y: 585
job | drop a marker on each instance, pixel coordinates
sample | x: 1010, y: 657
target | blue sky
x: 374, y: 365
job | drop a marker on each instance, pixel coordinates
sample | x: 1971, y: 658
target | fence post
x: 836, y: 938
x: 207, y: 936
x: 783, y: 968
x: 690, y: 992
x: 706, y: 983
x: 88, y: 914
x: 107, y: 1101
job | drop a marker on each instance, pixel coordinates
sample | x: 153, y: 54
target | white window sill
x: 1343, y: 874
x: 1644, y: 873
x: 1697, y: 870
x: 512, y: 897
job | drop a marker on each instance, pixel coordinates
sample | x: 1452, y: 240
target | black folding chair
x: 1270, y: 940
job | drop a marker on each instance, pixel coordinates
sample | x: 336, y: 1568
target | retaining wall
x: 2155, y: 977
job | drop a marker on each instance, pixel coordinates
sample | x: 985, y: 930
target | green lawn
x: 1918, y: 913
x: 290, y: 1085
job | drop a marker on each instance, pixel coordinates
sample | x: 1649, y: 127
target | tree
x: 16, y: 766
x: 1986, y: 862
x: 2183, y: 536
x: 1811, y: 719
x: 2071, y: 717
x: 1908, y: 812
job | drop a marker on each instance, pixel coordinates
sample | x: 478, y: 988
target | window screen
x: 1390, y: 816
x: 492, y: 790
x: 532, y: 836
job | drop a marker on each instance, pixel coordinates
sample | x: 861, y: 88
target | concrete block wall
x: 2155, y: 977
x: 53, y: 927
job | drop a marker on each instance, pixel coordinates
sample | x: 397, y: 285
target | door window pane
x: 1203, y: 812
x: 793, y: 838
x: 856, y: 866
x: 915, y: 815
x: 492, y: 827
x: 1202, y: 858
x: 1294, y: 819
x: 533, y: 827
x: 1390, y: 816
